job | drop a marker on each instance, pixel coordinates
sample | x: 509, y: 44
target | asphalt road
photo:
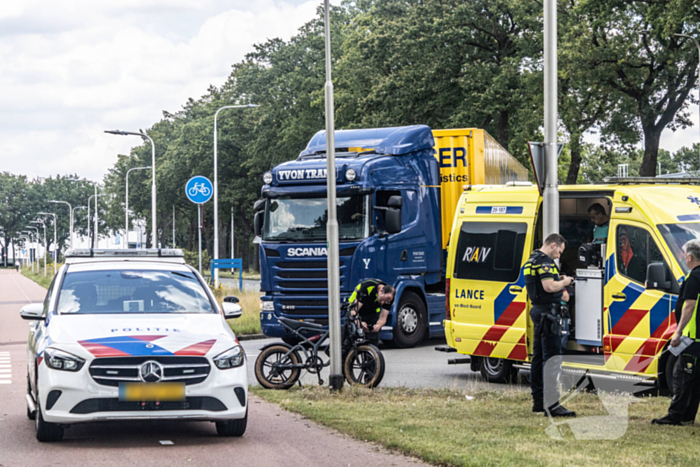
x: 273, y: 437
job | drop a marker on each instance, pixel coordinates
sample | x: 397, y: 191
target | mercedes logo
x: 151, y: 372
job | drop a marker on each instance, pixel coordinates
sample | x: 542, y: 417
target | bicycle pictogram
x: 199, y: 188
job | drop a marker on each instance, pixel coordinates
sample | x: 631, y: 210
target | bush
x: 192, y: 258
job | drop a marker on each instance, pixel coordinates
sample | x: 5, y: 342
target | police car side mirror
x: 656, y: 277
x: 33, y: 311
x: 258, y: 222
x: 231, y: 307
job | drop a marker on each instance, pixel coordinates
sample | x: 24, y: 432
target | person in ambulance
x: 133, y: 334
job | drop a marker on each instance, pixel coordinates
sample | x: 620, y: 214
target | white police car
x: 133, y: 334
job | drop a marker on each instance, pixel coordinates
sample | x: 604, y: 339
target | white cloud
x: 72, y: 69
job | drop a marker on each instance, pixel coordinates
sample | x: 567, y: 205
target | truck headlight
x: 268, y: 305
x: 60, y: 360
x: 232, y: 358
x: 267, y: 178
x: 350, y: 175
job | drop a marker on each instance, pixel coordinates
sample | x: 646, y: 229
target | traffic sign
x: 199, y: 189
x: 537, y: 157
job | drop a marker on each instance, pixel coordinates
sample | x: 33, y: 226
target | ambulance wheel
x: 411, y: 321
x: 498, y: 370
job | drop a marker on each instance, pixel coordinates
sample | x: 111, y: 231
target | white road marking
x: 5, y: 371
x: 5, y: 381
x: 6, y: 376
x: 20, y: 288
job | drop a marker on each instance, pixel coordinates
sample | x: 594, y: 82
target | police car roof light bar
x: 155, y: 252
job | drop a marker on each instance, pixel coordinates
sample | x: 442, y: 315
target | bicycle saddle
x: 294, y: 324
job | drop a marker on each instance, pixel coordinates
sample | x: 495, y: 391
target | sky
x: 70, y: 69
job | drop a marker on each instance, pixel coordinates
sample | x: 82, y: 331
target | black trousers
x: 545, y: 346
x: 686, y: 385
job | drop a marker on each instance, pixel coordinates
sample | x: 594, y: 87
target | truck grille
x: 304, y: 276
x: 115, y: 370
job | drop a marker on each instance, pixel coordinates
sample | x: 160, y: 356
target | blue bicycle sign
x: 199, y: 189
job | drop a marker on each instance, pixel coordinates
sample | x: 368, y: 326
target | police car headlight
x: 267, y: 178
x: 60, y: 360
x: 350, y: 175
x: 268, y: 305
x: 232, y: 358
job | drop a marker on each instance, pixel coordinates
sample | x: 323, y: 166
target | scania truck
x: 397, y: 190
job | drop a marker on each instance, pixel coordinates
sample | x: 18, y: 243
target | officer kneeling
x: 545, y: 289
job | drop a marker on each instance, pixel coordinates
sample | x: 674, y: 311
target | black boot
x: 557, y: 410
x: 667, y: 420
x: 538, y: 408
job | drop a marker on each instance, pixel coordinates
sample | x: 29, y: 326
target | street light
x: 216, y: 187
x: 95, y: 231
x: 95, y: 185
x: 698, y: 46
x: 45, y: 246
x: 126, y: 211
x: 153, y: 176
x: 55, y: 245
x: 70, y: 213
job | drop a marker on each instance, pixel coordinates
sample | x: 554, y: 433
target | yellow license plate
x: 152, y: 392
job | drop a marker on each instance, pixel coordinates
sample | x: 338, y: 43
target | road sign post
x: 199, y: 190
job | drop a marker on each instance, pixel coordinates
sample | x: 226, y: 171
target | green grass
x: 249, y: 274
x: 38, y: 277
x: 249, y: 322
x: 443, y: 427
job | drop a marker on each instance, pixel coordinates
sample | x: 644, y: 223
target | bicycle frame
x: 308, y: 353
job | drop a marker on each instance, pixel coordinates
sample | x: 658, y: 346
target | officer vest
x: 691, y: 329
x: 533, y: 283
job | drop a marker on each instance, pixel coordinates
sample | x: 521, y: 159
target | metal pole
x: 153, y: 192
x: 97, y: 235
x: 215, y: 254
x: 232, y: 255
x: 55, y: 246
x: 126, y: 214
x: 199, y: 233
x: 88, y: 222
x: 70, y: 215
x: 173, y: 226
x: 551, y: 192
x: 698, y: 46
x: 336, y: 377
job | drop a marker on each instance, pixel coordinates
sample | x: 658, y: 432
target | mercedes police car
x: 133, y: 334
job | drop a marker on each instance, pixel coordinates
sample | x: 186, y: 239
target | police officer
x: 545, y: 290
x: 686, y: 397
x: 372, y: 299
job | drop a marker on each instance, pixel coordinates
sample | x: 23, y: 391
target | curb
x: 250, y: 337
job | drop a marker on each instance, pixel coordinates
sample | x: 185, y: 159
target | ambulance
x: 622, y: 309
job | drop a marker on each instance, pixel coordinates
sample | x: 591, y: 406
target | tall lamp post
x: 126, y: 211
x: 216, y: 187
x: 95, y: 232
x: 45, y: 245
x: 153, y: 177
x: 70, y: 213
x: 335, y: 379
x: 95, y: 195
x: 698, y: 46
x: 55, y: 245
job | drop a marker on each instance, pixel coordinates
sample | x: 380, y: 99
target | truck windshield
x: 304, y: 219
x: 677, y: 235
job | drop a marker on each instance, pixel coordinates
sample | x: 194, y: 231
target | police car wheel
x: 46, y: 432
x: 232, y: 427
x: 497, y: 370
x: 411, y: 321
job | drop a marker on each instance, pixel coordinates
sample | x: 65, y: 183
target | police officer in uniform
x: 686, y: 375
x: 545, y: 290
x: 372, y: 299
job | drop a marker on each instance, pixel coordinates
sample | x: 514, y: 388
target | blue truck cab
x: 377, y: 170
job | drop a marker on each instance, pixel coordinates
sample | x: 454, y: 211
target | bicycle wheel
x: 273, y: 367
x: 364, y: 366
x: 193, y: 191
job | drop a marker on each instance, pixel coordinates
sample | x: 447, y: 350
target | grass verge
x: 38, y: 277
x: 249, y: 322
x: 248, y: 275
x: 444, y: 427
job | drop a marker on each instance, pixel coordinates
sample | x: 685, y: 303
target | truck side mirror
x: 259, y: 205
x: 393, y: 220
x: 656, y: 277
x: 258, y: 222
x: 395, y: 202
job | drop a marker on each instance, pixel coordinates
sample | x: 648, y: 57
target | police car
x: 133, y: 335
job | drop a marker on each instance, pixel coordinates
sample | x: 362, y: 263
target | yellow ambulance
x: 622, y: 309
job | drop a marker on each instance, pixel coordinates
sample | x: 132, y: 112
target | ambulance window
x: 635, y: 250
x: 490, y: 251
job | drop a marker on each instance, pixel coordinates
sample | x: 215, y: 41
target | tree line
x: 624, y: 74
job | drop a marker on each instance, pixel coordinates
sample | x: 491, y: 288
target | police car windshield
x: 304, y: 219
x: 676, y: 235
x: 133, y: 292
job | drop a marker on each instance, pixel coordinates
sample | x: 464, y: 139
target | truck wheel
x: 411, y: 321
x: 46, y: 432
x: 498, y: 370
x: 232, y: 427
